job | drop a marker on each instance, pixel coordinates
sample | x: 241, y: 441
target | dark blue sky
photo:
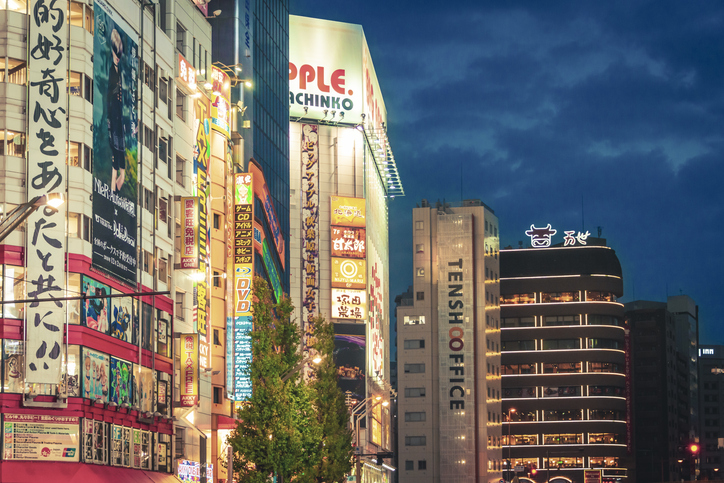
x: 604, y: 113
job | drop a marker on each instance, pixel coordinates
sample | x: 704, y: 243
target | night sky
x: 580, y: 114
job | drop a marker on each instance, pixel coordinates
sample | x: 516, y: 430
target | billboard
x: 220, y: 104
x: 456, y: 343
x: 349, y: 304
x: 202, y: 153
x: 349, y: 212
x: 121, y: 374
x: 348, y: 242
x: 349, y: 354
x: 190, y: 235
x: 238, y: 381
x: 94, y: 312
x: 115, y: 144
x: 122, y: 318
x: 271, y: 270
x: 349, y: 273
x: 189, y: 370
x: 41, y: 437
x: 96, y: 384
x: 325, y: 69
x: 47, y: 97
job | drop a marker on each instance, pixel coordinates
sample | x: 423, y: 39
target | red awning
x: 57, y: 472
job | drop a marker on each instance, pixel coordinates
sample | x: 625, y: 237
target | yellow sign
x: 349, y: 273
x: 348, y: 211
x: 349, y: 304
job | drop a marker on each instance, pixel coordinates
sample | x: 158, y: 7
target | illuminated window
x: 562, y: 438
x: 604, y: 462
x: 553, y: 297
x: 509, y: 369
x: 561, y: 367
x: 15, y: 145
x: 600, y: 296
x: 605, y: 438
x: 524, y: 439
x: 518, y: 392
x: 563, y: 415
x: 605, y: 391
x: 605, y: 367
x: 518, y: 298
x: 413, y: 320
x: 561, y: 391
x: 606, y: 414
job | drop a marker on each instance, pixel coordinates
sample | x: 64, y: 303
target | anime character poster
x: 96, y: 383
x: 14, y: 365
x: 122, y: 318
x: 94, y: 312
x: 145, y: 385
x: 121, y: 372
x: 115, y: 144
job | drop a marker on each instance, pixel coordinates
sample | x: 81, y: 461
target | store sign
x: 591, y: 476
x: 186, y: 72
x: 45, y: 237
x: 220, y: 104
x: 238, y: 380
x: 349, y: 273
x: 191, y: 471
x: 348, y: 242
x: 349, y: 304
x: 274, y: 226
x: 542, y: 237
x: 190, y: 232
x: 189, y: 369
x: 41, y: 437
x: 310, y: 232
x: 349, y: 212
x: 202, y: 152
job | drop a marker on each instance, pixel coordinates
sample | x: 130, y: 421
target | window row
x: 561, y: 320
x: 410, y: 465
x: 561, y: 344
x: 567, y: 462
x: 565, y: 438
x: 557, y: 297
x: 561, y: 368
x: 571, y: 415
x: 561, y: 391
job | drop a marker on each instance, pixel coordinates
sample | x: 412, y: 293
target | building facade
x: 662, y: 335
x: 564, y: 361
x: 449, y: 373
x: 711, y: 393
x: 341, y: 182
x: 99, y: 374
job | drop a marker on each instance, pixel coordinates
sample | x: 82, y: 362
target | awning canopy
x: 57, y: 472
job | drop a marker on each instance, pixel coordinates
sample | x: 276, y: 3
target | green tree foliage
x: 335, y: 459
x: 273, y: 435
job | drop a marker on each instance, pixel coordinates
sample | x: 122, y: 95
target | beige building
x: 449, y: 406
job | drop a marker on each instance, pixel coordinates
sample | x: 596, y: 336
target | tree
x: 335, y: 444
x: 273, y: 435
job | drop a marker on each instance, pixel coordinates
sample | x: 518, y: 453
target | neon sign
x: 542, y: 237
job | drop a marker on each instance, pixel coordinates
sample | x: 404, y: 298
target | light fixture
x: 208, y: 85
x: 215, y: 14
x: 197, y: 276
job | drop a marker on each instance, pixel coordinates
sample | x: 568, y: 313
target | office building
x: 711, y: 394
x: 97, y: 375
x: 342, y: 178
x: 449, y: 377
x: 662, y: 337
x: 564, y: 359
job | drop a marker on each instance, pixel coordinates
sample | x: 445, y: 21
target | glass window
x: 554, y: 297
x: 415, y: 416
x: 180, y: 104
x: 605, y: 367
x: 409, y: 465
x: 604, y: 462
x: 518, y: 298
x: 414, y: 392
x: 561, y: 344
x: 180, y: 169
x: 606, y: 414
x: 600, y: 296
x: 75, y: 83
x: 17, y: 5
x: 552, y: 320
x: 414, y: 320
x: 179, y: 308
x: 89, y: 18
x: 606, y: 438
x: 16, y: 144
x: 13, y: 289
x: 605, y: 391
x: 525, y: 439
x: 180, y: 37
x: 422, y: 465
x: 518, y: 322
x: 563, y: 415
x: 420, y: 271
x: 562, y: 391
x: 418, y: 225
x: 414, y: 344
x: 17, y: 72
x: 605, y: 344
x: 73, y: 305
x: 415, y: 440
x: 76, y: 14
x: 509, y: 369
x: 597, y: 319
x: 518, y: 392
x: 414, y: 368
x: 561, y: 367
x: 518, y: 345
x: 74, y: 153
x: 562, y: 438
x: 13, y: 366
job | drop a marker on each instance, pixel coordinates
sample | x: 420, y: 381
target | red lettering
x: 338, y: 81
x: 320, y: 80
x: 292, y: 71
x: 455, y: 332
x: 306, y: 74
x: 456, y: 344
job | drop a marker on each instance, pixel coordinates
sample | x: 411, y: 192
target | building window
x: 179, y: 309
x: 518, y: 345
x: 418, y: 225
x: 414, y: 392
x: 180, y: 104
x: 509, y: 369
x: 561, y: 344
x: 420, y: 296
x: 419, y: 248
x: 597, y: 319
x: 600, y: 296
x: 518, y: 298
x: 519, y: 322
x: 552, y: 320
x: 557, y: 297
x: 414, y: 368
x: 413, y: 320
x: 217, y: 340
x: 217, y: 279
x: 180, y: 170
x: 149, y: 77
x: 180, y: 37
x: 411, y: 417
x: 15, y: 145
x: 420, y: 272
x: 604, y: 344
x: 414, y: 344
x: 13, y: 71
x: 422, y: 465
x: 409, y: 465
x: 415, y: 441
x: 217, y: 221
x: 218, y: 399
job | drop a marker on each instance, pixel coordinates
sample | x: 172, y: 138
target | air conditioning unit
x: 162, y: 134
x: 163, y: 74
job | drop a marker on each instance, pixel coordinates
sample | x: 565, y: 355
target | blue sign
x: 242, y: 358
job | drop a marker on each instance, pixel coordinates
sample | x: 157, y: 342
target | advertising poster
x: 348, y: 212
x: 349, y: 273
x: 115, y: 144
x: 349, y: 354
x: 122, y: 317
x: 376, y: 420
x: 220, y: 105
x: 189, y: 369
x: 145, y: 386
x: 242, y: 358
x: 47, y: 98
x: 349, y: 304
x: 94, y: 312
x: 146, y: 326
x: 375, y: 337
x: 190, y: 228
x: 14, y: 365
x: 202, y: 152
x: 41, y: 437
x: 348, y: 242
x: 96, y: 384
x: 121, y: 381
x: 238, y: 337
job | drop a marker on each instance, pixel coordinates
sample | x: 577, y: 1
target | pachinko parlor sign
x: 542, y: 237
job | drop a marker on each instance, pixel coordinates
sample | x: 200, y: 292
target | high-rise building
x: 711, y: 421
x: 342, y: 178
x: 564, y: 359
x: 94, y: 382
x: 662, y: 337
x: 449, y: 374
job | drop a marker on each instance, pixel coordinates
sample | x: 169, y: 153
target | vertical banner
x: 115, y: 144
x: 47, y: 136
x: 310, y: 231
x: 220, y: 104
x: 455, y: 340
x: 202, y: 151
x: 189, y: 369
x: 190, y: 236
x: 243, y: 276
x: 229, y: 237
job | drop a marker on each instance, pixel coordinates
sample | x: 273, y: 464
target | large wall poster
x: 122, y: 317
x: 94, y: 312
x: 95, y: 375
x: 121, y: 385
x: 115, y: 144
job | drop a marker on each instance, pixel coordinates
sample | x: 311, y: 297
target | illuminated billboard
x: 349, y: 354
x: 310, y: 219
x: 115, y: 144
x: 189, y: 370
x: 243, y: 254
x: 190, y: 232
x: 348, y: 212
x: 220, y: 105
x: 202, y: 153
x: 348, y: 242
x: 349, y: 304
x: 349, y: 273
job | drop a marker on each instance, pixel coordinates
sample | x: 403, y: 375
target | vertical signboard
x: 47, y: 135
x: 350, y: 356
x: 189, y: 369
x: 202, y: 151
x: 243, y: 276
x: 455, y: 340
x: 220, y: 104
x: 376, y: 315
x: 310, y: 229
x: 229, y: 288
x: 349, y: 267
x: 190, y: 233
x: 115, y: 144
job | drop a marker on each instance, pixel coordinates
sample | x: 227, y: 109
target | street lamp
x: 511, y: 411
x: 23, y: 211
x: 316, y: 359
